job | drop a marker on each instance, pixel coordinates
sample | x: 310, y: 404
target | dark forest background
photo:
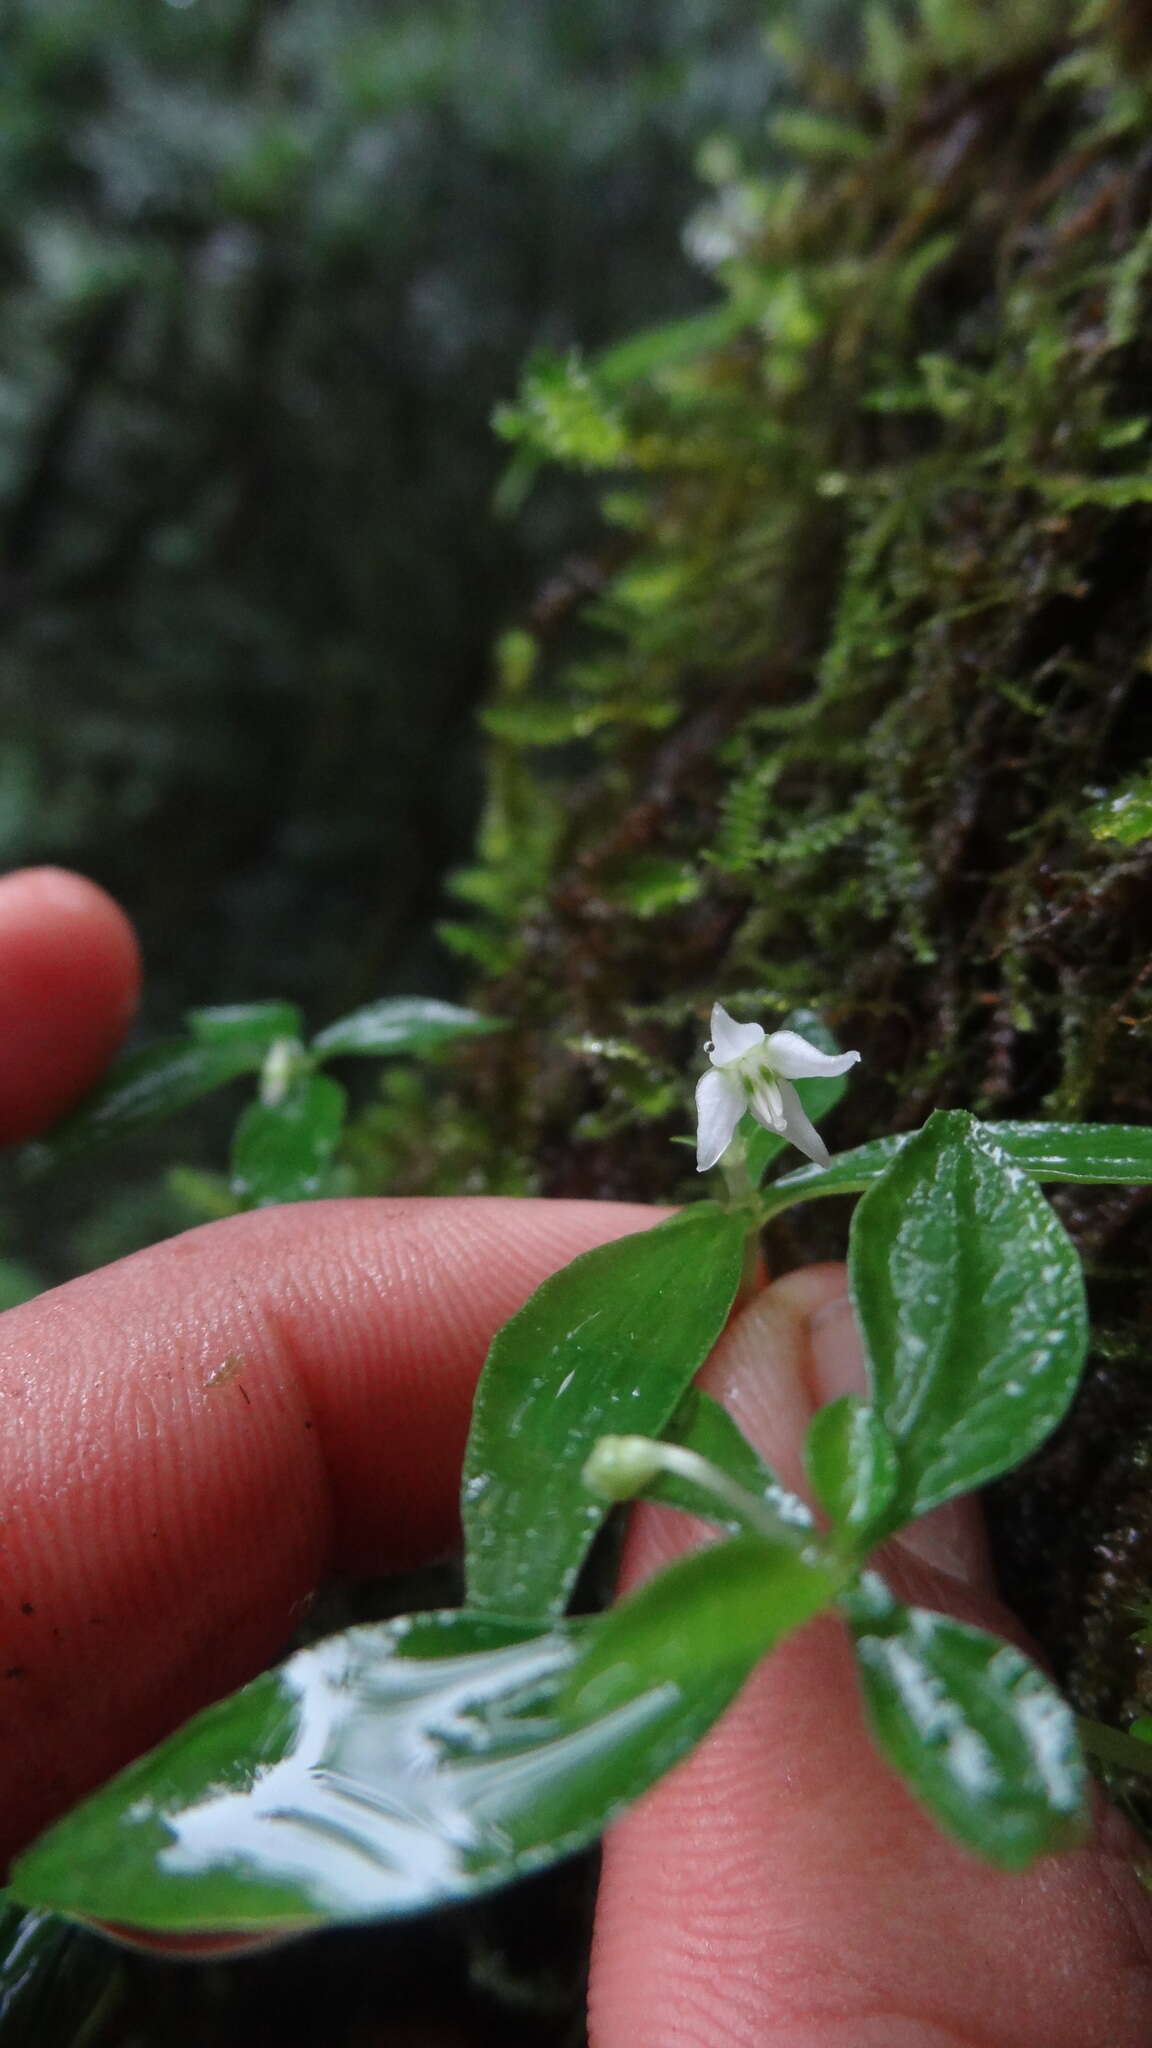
x: 266, y: 268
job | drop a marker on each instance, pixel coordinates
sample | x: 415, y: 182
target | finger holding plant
x: 395, y: 1767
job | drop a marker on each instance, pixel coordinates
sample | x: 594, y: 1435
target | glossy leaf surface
x: 1107, y: 1154
x: 1093, y: 1155
x: 734, y: 1600
x: 605, y: 1347
x: 402, y: 1024
x: 979, y: 1735
x: 283, y: 1151
x: 970, y: 1299
x: 851, y: 1462
x: 144, y: 1088
x: 256, y: 1024
x: 396, y: 1767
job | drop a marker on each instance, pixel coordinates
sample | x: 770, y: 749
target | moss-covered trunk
x: 854, y: 709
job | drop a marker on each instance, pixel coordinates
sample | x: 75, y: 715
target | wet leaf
x: 282, y: 1152
x: 979, y: 1735
x: 1089, y: 1154
x: 393, y: 1768
x: 606, y: 1347
x: 402, y: 1024
x: 256, y: 1024
x: 1127, y: 814
x: 145, y: 1088
x: 970, y: 1300
x: 851, y: 1462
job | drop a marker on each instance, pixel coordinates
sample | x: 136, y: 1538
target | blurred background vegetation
x: 266, y: 268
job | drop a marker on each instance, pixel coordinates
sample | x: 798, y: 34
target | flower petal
x: 729, y: 1039
x: 798, y: 1130
x: 789, y: 1054
x: 719, y: 1108
x: 767, y: 1103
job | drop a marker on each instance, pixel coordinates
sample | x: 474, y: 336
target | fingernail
x: 951, y: 1539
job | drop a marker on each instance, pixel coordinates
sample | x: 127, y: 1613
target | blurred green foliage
x: 266, y: 269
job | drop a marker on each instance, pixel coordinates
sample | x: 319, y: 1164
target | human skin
x: 161, y: 1531
x: 69, y: 988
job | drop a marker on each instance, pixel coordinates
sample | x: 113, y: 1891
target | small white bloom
x: 751, y: 1070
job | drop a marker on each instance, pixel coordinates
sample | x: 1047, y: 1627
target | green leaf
x: 650, y: 884
x: 970, y: 1300
x: 731, y: 1603
x: 255, y: 1024
x: 700, y: 1424
x: 1093, y: 1155
x: 980, y: 1736
x: 819, y: 1095
x: 851, y: 1462
x: 805, y: 133
x: 565, y: 414
x: 281, y: 1152
x: 1126, y: 815
x: 657, y: 349
x: 847, y: 1173
x: 144, y: 1088
x: 393, y: 1768
x: 543, y: 722
x: 402, y: 1024
x: 606, y: 1347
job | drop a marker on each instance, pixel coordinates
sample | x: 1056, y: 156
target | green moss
x: 832, y: 716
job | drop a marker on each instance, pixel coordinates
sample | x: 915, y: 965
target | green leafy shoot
x: 224, y: 1044
x: 395, y: 1768
x: 1125, y: 816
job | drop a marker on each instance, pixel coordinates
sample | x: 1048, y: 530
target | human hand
x: 164, y: 1526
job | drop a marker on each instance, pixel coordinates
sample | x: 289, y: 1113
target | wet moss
x: 837, y: 714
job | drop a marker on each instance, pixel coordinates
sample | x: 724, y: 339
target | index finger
x: 194, y: 1436
x: 68, y: 991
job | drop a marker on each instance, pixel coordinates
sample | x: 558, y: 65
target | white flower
x: 752, y: 1071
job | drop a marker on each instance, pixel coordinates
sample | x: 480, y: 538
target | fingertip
x: 781, y: 1885
x: 70, y: 975
x: 216, y: 1423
